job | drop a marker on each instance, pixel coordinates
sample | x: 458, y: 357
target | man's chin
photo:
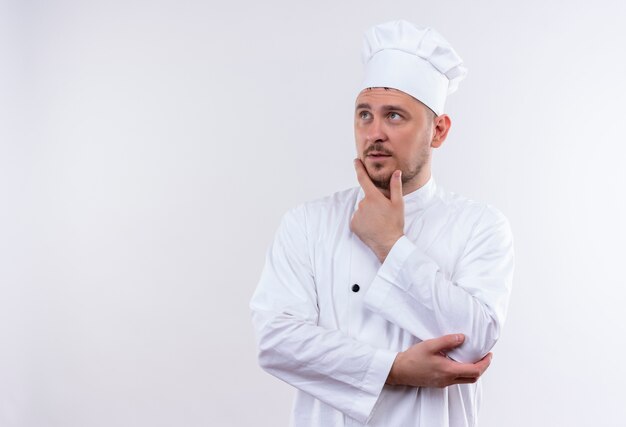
x: 381, y: 180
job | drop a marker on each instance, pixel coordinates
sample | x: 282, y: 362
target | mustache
x: 377, y: 147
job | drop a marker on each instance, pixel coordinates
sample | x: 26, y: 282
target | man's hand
x: 378, y: 221
x: 425, y: 365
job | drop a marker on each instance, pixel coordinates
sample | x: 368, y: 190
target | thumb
x: 446, y: 342
x: 395, y: 187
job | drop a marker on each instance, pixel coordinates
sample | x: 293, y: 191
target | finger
x: 445, y: 343
x: 395, y: 187
x: 472, y: 370
x: 364, y: 179
x: 465, y: 380
x: 484, y: 363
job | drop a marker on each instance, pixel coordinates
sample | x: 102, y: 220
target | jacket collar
x: 415, y: 200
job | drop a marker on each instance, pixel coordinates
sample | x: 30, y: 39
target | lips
x: 378, y: 155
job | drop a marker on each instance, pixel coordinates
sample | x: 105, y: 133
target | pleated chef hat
x: 415, y: 60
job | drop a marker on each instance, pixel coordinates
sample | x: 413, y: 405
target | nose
x: 376, y: 131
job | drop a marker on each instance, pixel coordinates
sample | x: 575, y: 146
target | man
x: 380, y: 303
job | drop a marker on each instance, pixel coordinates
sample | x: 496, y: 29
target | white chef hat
x: 415, y: 60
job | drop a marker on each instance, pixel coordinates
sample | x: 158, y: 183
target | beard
x: 409, y: 172
x: 382, y: 182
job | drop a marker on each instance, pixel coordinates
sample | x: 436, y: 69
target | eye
x: 364, y: 115
x: 394, y: 116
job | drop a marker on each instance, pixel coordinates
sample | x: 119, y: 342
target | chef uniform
x: 330, y: 318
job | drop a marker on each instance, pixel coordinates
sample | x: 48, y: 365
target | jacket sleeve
x: 411, y: 291
x: 327, y: 364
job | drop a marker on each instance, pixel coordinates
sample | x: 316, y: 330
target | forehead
x: 378, y: 96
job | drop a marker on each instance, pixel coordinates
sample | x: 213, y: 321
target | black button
x: 355, y: 288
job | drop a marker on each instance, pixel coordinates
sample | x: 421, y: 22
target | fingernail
x: 459, y: 338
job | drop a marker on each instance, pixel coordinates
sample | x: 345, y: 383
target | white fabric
x: 413, y: 59
x: 450, y: 273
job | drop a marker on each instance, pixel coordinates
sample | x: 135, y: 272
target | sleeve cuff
x: 391, y: 273
x: 373, y: 383
x: 397, y: 256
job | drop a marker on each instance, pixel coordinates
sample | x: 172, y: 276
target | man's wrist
x: 384, y: 250
x: 392, y: 378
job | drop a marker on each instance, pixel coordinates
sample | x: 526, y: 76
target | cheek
x: 407, y: 156
x: 359, y: 141
x: 358, y: 144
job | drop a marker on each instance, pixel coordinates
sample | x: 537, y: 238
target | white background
x: 149, y: 148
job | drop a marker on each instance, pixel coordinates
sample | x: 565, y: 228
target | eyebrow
x: 388, y: 107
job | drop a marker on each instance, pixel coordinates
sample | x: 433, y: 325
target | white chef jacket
x: 451, y: 272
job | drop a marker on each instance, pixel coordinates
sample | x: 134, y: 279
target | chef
x: 380, y: 303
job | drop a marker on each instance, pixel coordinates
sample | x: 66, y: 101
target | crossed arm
x: 332, y: 366
x: 379, y: 223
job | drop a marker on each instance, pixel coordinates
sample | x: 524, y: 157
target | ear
x: 441, y: 126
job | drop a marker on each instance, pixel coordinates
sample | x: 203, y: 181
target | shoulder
x: 336, y: 203
x: 470, y: 212
x: 323, y: 215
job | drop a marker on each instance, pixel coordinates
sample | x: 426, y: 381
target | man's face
x: 393, y: 131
